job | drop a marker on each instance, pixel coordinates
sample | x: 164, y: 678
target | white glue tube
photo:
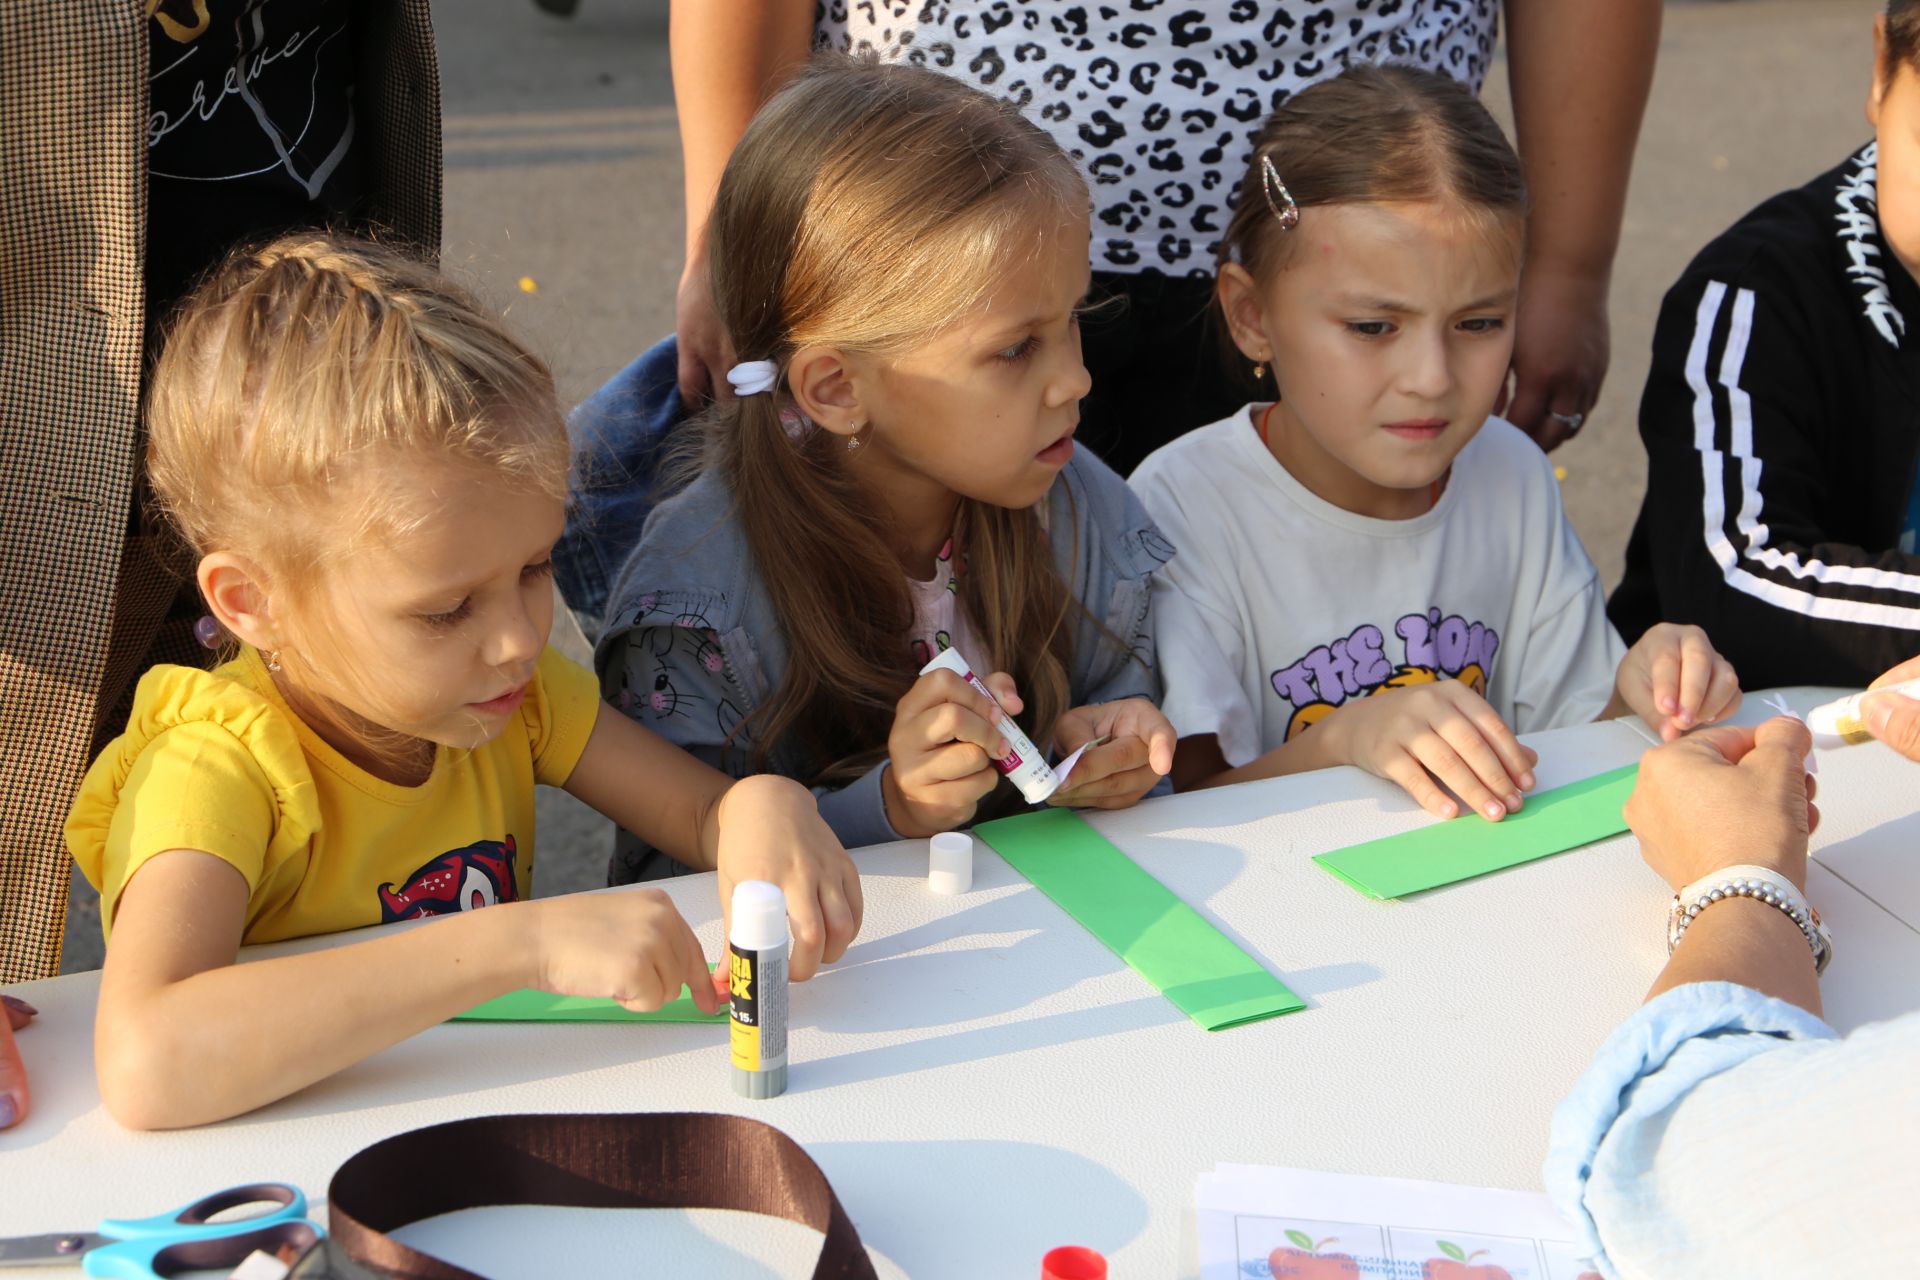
x: 1843, y: 723
x: 1023, y: 762
x: 757, y: 952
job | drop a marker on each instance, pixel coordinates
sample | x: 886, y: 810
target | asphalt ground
x: 563, y: 206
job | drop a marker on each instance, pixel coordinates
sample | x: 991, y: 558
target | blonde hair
x: 294, y: 380
x: 867, y: 208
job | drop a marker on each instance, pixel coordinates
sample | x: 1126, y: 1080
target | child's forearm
x: 229, y: 1039
x: 1316, y: 749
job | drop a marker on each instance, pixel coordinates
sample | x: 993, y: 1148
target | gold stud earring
x: 1259, y: 370
x: 273, y: 660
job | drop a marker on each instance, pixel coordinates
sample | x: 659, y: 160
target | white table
x: 982, y: 1080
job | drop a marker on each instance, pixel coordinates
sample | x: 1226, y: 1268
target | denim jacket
x: 692, y: 645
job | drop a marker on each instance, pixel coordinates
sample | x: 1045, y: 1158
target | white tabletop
x: 982, y: 1080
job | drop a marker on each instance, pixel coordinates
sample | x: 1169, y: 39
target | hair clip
x: 1279, y: 199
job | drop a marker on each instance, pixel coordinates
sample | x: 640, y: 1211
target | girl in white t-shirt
x: 1373, y: 557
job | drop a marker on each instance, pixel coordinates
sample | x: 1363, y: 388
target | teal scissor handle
x: 169, y: 1243
x: 192, y: 1219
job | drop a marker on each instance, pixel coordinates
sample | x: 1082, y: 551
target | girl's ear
x: 1246, y: 315
x: 236, y: 592
x: 822, y: 383
x: 1882, y: 74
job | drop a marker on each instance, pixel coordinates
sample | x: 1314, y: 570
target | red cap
x: 1073, y: 1262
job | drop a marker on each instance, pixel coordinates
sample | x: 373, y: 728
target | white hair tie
x: 751, y: 377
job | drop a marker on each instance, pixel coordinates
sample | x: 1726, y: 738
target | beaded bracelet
x: 1761, y: 884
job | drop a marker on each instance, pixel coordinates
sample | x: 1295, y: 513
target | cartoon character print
x: 466, y: 879
x: 925, y: 649
x: 648, y: 688
x: 1159, y: 102
x: 1435, y: 647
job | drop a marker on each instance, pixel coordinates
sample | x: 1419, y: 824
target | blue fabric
x: 691, y: 646
x: 1649, y: 1063
x: 619, y: 434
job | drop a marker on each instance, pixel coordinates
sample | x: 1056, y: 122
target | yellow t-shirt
x: 217, y: 761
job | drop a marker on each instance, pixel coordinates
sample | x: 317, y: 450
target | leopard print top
x: 1159, y: 100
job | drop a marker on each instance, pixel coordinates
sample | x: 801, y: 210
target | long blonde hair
x: 867, y: 208
x: 300, y: 376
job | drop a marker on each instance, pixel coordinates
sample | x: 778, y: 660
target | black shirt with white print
x: 1782, y: 425
x: 250, y: 129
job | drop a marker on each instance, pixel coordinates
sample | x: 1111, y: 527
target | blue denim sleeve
x: 857, y: 812
x: 1652, y: 1060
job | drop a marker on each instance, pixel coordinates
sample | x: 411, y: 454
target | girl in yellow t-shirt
x: 370, y: 471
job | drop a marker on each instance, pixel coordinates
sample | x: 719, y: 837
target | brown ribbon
x: 670, y: 1160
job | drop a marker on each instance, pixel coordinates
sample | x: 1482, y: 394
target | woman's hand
x: 1725, y: 797
x: 1137, y: 753
x: 945, y: 738
x: 1425, y: 735
x: 1894, y: 718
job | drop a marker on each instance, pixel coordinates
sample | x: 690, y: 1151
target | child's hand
x: 632, y: 946
x: 1137, y: 754
x: 945, y: 739
x: 771, y: 829
x: 1420, y: 733
x: 1674, y: 680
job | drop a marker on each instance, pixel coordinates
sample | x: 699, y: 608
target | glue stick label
x: 757, y: 984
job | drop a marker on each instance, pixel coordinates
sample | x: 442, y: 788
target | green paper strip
x: 1160, y: 937
x: 1462, y: 848
x: 543, y: 1006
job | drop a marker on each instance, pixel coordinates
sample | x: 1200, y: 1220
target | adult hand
x: 14, y: 1098
x: 1894, y: 718
x: 705, y: 353
x: 1726, y: 796
x: 1560, y: 352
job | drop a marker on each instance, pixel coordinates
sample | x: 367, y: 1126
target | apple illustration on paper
x: 1458, y: 1265
x: 1305, y: 1261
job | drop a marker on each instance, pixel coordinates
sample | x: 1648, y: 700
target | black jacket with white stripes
x: 1782, y: 425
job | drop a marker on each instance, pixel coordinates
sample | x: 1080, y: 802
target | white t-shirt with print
x: 1280, y: 606
x: 1159, y: 102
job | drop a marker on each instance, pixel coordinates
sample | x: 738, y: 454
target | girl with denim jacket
x: 901, y: 262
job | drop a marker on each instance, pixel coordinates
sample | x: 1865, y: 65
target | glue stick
x: 757, y: 987
x: 1843, y: 723
x: 1023, y: 762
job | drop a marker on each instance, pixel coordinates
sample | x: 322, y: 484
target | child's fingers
x: 841, y: 915
x: 14, y: 1098
x: 1484, y: 764
x: 1663, y: 679
x: 1723, y: 694
x: 1697, y: 661
x: 808, y: 932
x: 938, y: 689
x: 1516, y: 759
x: 19, y: 1012
x: 1103, y: 773
x: 1444, y: 763
x: 950, y: 722
x: 1412, y: 777
x: 1115, y: 791
x: 1000, y: 684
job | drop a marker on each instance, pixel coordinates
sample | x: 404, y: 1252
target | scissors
x: 184, y: 1240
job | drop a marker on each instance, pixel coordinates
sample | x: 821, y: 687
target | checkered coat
x: 84, y: 586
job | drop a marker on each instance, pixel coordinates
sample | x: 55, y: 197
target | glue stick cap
x: 759, y: 916
x: 1073, y: 1262
x: 950, y: 863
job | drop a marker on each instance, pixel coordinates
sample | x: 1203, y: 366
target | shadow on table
x: 995, y: 1207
